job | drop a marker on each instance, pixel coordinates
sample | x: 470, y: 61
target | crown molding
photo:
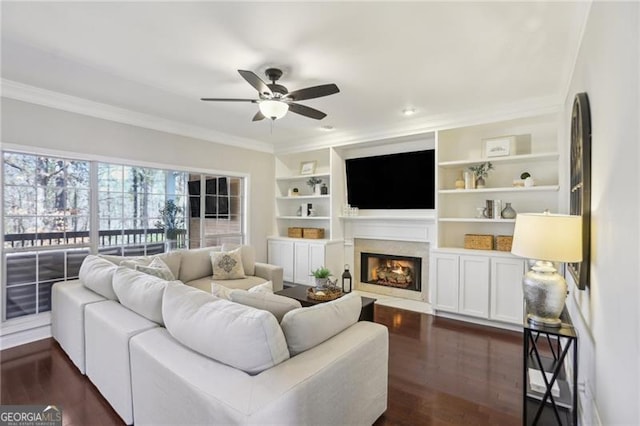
x: 48, y: 98
x: 438, y: 122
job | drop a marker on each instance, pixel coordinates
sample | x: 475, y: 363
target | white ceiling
x: 160, y: 58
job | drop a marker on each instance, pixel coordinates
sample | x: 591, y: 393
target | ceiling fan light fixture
x: 409, y: 111
x: 273, y: 109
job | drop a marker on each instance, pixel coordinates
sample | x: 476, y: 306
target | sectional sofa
x: 162, y: 351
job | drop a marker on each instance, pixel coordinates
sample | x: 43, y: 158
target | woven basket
x: 324, y: 295
x: 315, y: 233
x: 294, y: 232
x: 478, y: 241
x: 503, y: 242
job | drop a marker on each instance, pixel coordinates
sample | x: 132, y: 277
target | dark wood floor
x: 441, y: 372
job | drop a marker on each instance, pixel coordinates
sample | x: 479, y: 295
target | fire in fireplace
x: 392, y: 271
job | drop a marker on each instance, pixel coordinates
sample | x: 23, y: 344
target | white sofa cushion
x: 204, y: 284
x: 227, y: 265
x: 172, y: 260
x: 277, y: 305
x: 140, y: 292
x: 262, y: 288
x: 196, y: 264
x: 97, y: 274
x: 221, y: 291
x: 240, y: 336
x: 248, y: 255
x: 157, y: 268
x: 305, y: 328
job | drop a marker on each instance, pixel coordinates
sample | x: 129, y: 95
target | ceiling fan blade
x: 229, y: 100
x: 313, y: 92
x: 306, y: 111
x: 259, y: 116
x: 256, y: 82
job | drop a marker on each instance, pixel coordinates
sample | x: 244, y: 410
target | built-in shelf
x: 541, y: 188
x: 547, y: 156
x: 303, y: 217
x: 303, y: 177
x: 420, y: 218
x: 303, y: 197
x: 475, y: 220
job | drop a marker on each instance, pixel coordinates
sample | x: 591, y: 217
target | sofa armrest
x: 271, y: 273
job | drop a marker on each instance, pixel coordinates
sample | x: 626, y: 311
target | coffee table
x: 299, y: 292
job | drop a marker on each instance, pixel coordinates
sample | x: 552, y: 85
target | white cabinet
x: 474, y: 286
x: 281, y: 253
x: 445, y: 276
x: 299, y: 257
x: 506, y: 289
x: 478, y: 285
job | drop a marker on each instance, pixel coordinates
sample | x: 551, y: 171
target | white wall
x: 606, y: 315
x: 37, y: 126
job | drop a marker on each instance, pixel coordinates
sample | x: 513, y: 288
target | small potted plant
x: 172, y: 223
x: 321, y: 276
x: 314, y: 183
x: 481, y: 171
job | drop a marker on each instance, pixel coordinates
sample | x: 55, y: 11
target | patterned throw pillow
x: 157, y: 268
x: 227, y: 265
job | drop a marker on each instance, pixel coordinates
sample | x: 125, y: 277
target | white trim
x: 572, y: 70
x: 25, y: 336
x: 48, y: 98
x: 34, y: 150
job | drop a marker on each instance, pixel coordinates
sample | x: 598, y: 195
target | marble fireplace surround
x: 409, y: 235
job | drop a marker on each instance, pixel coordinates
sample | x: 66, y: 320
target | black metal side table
x: 550, y: 374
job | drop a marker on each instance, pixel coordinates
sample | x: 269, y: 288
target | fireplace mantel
x: 398, y: 228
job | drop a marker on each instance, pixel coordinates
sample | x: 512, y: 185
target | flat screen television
x: 394, y: 181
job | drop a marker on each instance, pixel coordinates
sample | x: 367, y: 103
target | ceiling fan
x: 274, y: 100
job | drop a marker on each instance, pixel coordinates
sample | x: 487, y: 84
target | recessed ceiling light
x: 327, y: 128
x: 409, y: 111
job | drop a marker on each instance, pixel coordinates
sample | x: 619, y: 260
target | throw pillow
x: 248, y: 256
x: 220, y: 291
x: 140, y: 292
x: 97, y: 274
x: 240, y: 336
x: 305, y: 328
x: 157, y: 268
x: 276, y: 304
x: 227, y: 265
x: 262, y: 288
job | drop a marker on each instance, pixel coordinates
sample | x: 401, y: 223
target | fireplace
x: 403, y: 272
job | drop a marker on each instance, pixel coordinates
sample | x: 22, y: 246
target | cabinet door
x: 445, y: 267
x: 302, y: 265
x: 474, y: 286
x: 506, y: 289
x: 317, y: 258
x: 281, y: 253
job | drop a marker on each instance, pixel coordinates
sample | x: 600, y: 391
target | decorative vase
x: 508, y: 212
x: 324, y: 190
x: 321, y: 283
x: 460, y: 183
x: 480, y: 182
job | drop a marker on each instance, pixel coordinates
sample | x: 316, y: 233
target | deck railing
x: 106, y: 238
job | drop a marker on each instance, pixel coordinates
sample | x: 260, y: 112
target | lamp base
x: 544, y: 322
x: 545, y: 292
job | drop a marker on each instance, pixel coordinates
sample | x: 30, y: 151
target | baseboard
x: 23, y: 337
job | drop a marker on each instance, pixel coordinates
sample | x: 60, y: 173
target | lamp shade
x: 273, y: 109
x: 550, y: 237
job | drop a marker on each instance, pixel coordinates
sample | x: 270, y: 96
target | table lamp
x: 546, y: 238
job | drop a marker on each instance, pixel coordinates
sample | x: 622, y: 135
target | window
x: 140, y: 210
x: 46, y: 227
x: 215, y: 210
x: 47, y: 216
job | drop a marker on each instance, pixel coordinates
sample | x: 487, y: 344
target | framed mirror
x: 580, y: 194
